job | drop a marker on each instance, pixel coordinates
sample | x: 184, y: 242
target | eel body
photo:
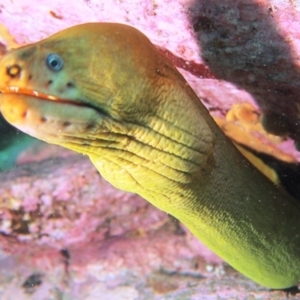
x: 102, y: 89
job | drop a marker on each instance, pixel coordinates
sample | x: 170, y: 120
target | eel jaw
x: 25, y: 91
x: 47, y: 117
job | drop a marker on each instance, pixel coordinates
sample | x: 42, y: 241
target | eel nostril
x: 13, y: 71
x: 70, y: 85
x: 66, y: 124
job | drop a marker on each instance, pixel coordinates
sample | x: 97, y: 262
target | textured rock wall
x: 70, y: 234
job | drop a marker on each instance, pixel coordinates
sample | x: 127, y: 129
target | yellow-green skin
x: 124, y: 105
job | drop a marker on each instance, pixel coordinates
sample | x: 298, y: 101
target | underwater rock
x: 254, y: 45
x: 72, y: 235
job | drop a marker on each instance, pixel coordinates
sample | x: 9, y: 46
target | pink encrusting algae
x: 81, y: 237
x: 71, y: 235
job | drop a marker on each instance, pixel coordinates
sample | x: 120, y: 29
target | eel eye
x: 54, y: 62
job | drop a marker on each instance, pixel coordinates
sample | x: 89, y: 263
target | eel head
x: 103, y: 89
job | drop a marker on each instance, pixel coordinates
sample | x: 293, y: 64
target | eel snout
x: 38, y: 97
x: 48, y: 120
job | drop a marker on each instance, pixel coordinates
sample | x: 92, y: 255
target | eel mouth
x: 28, y: 92
x: 28, y: 109
x: 20, y: 91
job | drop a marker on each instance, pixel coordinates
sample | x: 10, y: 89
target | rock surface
x: 65, y: 232
x: 68, y: 234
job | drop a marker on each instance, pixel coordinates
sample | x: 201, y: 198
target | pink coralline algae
x: 76, y: 237
x: 71, y: 235
x: 68, y: 217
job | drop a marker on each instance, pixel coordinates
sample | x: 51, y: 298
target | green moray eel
x: 102, y: 89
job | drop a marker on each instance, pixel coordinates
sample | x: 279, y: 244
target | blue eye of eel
x: 54, y: 62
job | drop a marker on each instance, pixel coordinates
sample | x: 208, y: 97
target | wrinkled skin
x: 119, y: 101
